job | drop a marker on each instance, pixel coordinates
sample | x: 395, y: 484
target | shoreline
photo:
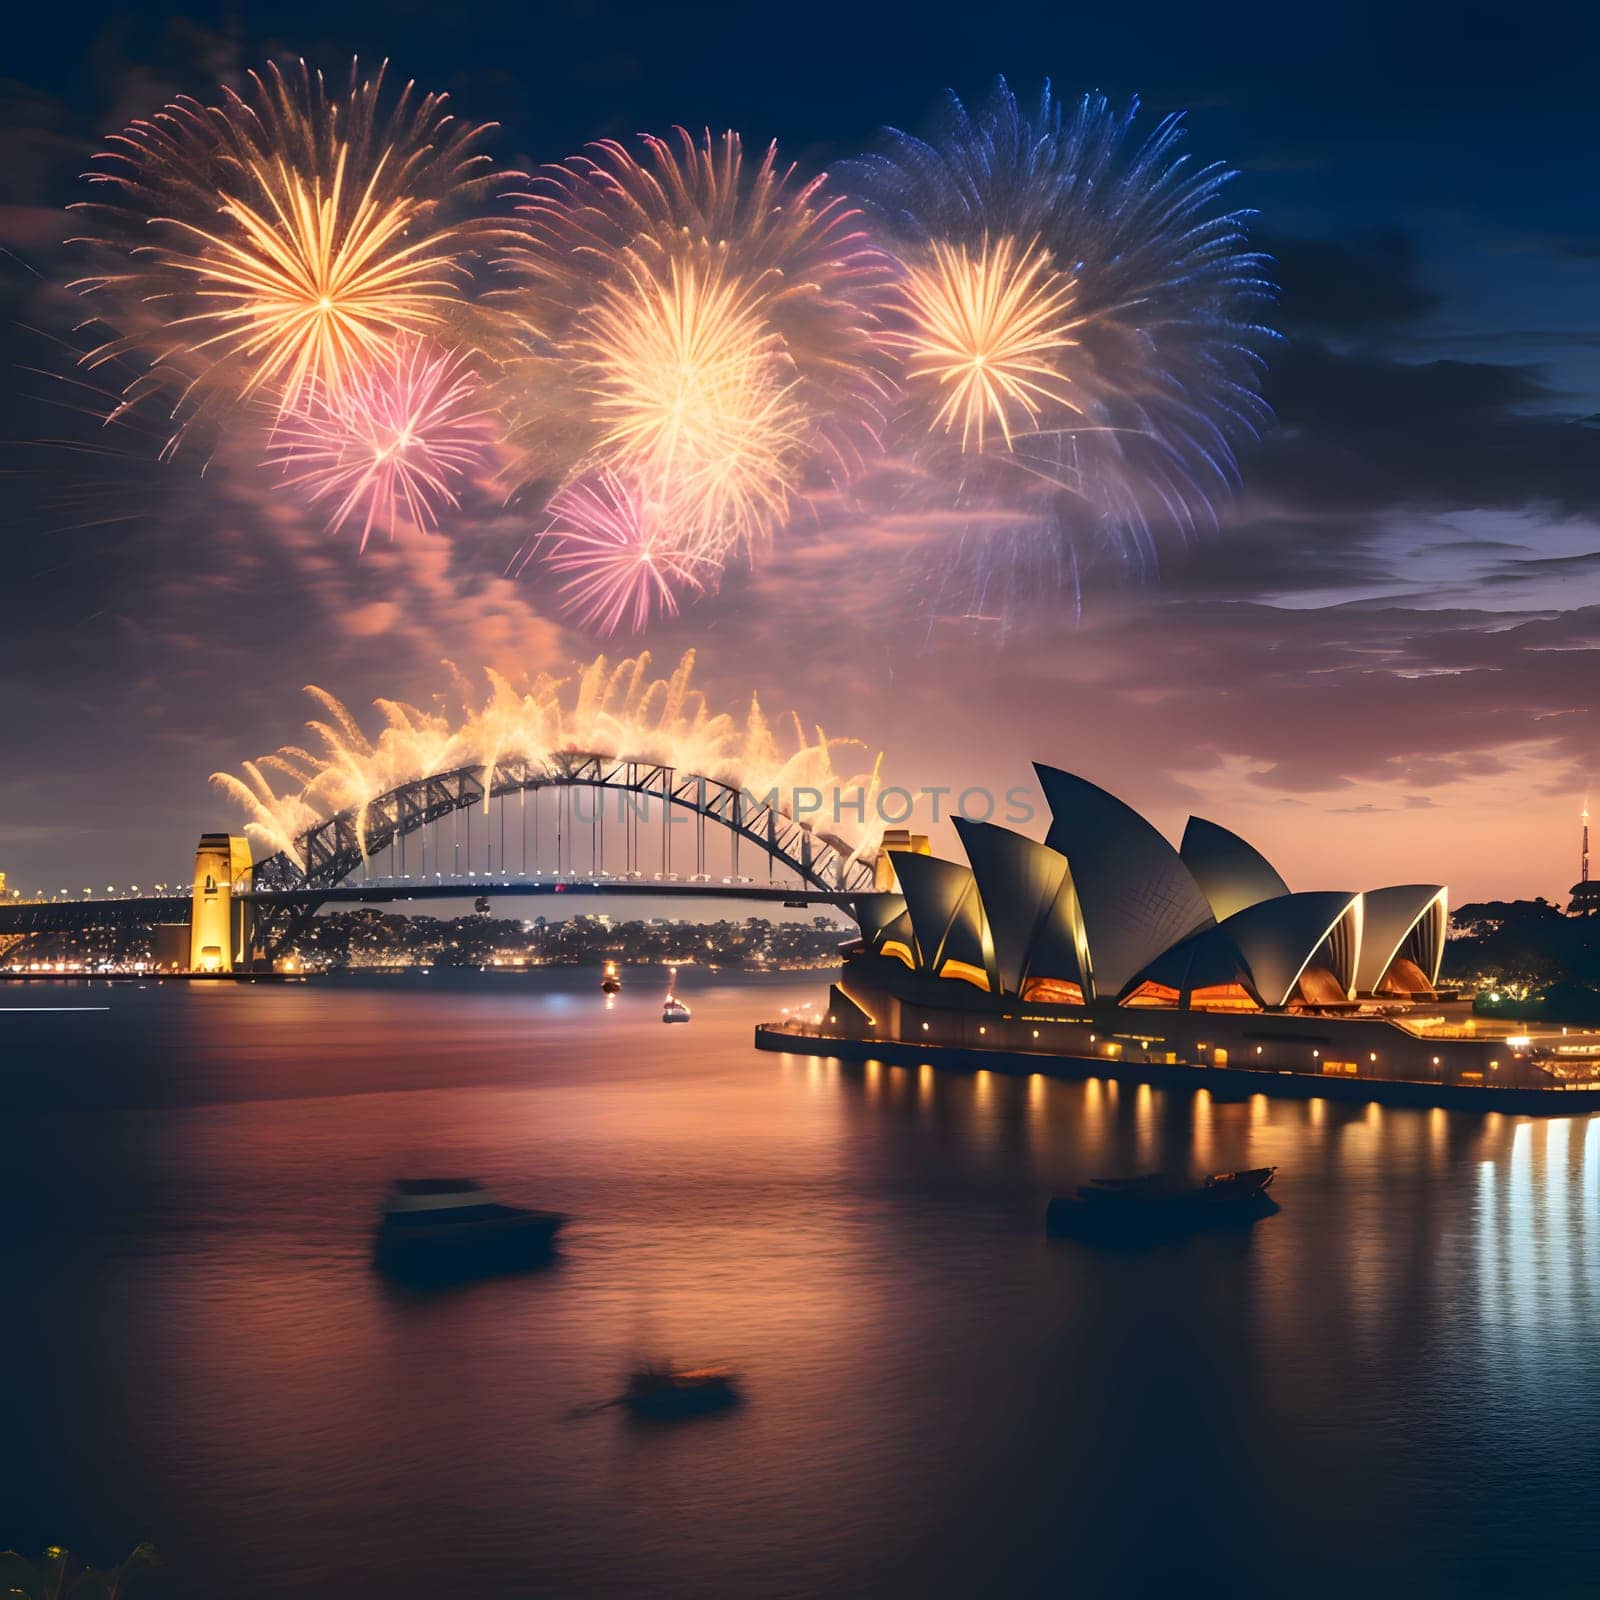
x: 1236, y: 1082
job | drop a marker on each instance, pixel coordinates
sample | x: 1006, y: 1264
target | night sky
x: 1382, y: 668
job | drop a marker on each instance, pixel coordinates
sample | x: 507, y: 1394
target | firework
x: 692, y: 387
x: 613, y: 537
x: 989, y: 329
x: 387, y: 447
x: 281, y: 241
x: 720, y: 326
x: 1119, y: 292
x: 614, y: 708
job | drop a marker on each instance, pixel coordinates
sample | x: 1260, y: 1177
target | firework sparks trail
x: 283, y: 239
x: 719, y: 324
x: 613, y: 537
x: 617, y: 709
x: 389, y: 446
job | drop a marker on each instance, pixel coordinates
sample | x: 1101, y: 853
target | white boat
x: 674, y: 1010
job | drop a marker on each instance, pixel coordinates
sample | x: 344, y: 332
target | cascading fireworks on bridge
x: 618, y: 709
x: 1037, y: 322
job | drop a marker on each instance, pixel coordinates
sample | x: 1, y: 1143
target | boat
x: 1160, y: 1202
x: 674, y: 1010
x: 454, y: 1225
x: 661, y: 1392
x: 610, y: 983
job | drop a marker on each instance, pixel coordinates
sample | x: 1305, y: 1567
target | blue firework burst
x: 1083, y: 322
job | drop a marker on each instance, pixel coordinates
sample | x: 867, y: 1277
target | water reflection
x: 1407, y: 1341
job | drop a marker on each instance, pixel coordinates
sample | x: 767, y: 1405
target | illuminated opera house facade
x: 1104, y: 944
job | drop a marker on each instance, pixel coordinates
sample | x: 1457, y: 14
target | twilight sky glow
x: 1383, y: 667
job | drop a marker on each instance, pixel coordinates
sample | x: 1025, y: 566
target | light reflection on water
x: 941, y: 1401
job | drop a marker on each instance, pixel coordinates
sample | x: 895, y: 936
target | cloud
x: 1366, y: 432
x: 1349, y: 286
x: 1533, y: 569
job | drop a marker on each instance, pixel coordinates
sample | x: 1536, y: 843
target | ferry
x: 454, y: 1224
x: 610, y: 983
x: 674, y: 1010
x: 1159, y: 1201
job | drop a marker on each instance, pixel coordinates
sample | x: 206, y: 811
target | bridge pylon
x: 883, y: 873
x: 219, y: 925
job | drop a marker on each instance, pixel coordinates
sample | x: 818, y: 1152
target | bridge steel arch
x: 333, y: 850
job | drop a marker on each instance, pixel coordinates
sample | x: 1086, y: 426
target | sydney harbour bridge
x: 611, y: 826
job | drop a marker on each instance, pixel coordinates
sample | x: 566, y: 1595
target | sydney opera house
x: 1106, y: 948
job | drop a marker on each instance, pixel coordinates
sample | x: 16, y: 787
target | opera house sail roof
x: 1295, y: 947
x: 1137, y: 897
x: 1105, y: 909
x: 1402, y: 943
x: 1231, y: 873
x: 947, y: 922
x: 1036, y: 927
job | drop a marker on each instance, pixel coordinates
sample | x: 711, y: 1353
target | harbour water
x: 1391, y: 1385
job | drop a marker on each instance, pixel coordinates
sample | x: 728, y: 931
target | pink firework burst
x: 390, y: 445
x: 614, y: 538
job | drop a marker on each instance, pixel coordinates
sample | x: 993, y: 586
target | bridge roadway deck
x: 386, y: 892
x: 59, y: 916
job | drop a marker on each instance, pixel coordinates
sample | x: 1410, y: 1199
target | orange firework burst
x: 720, y: 324
x: 695, y: 389
x: 389, y: 446
x: 989, y: 329
x: 282, y: 241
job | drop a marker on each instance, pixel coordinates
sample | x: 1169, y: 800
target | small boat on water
x: 674, y: 1010
x: 453, y: 1225
x: 610, y: 983
x: 1159, y: 1202
x: 680, y: 1392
